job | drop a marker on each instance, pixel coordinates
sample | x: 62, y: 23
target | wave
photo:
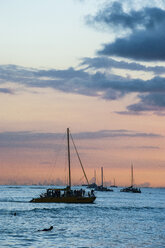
x: 19, y: 212
x: 79, y: 207
x: 13, y: 187
x: 37, y: 187
x: 64, y: 210
x: 127, y: 208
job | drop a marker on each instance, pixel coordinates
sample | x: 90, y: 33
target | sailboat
x: 114, y: 184
x: 101, y: 187
x: 131, y: 188
x: 67, y: 195
x: 93, y: 185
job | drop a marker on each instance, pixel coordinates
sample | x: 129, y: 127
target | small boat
x: 93, y: 185
x: 114, y: 185
x: 131, y: 188
x: 101, y: 187
x: 67, y: 194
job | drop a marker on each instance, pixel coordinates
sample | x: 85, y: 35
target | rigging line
x: 79, y: 159
x: 58, y: 152
x: 80, y: 180
x: 132, y: 179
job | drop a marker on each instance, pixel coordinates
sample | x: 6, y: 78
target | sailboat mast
x: 95, y: 176
x: 132, y: 175
x: 79, y: 159
x: 101, y: 176
x: 68, y: 143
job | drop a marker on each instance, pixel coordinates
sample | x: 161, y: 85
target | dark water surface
x: 116, y: 219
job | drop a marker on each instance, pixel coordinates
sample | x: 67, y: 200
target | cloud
x: 141, y: 46
x: 103, y: 62
x: 149, y: 102
x: 114, y: 15
x: 114, y: 134
x: 142, y: 39
x: 142, y: 31
x: 6, y: 91
x: 81, y: 82
x: 103, y: 85
x: 142, y: 147
x: 27, y: 139
x: 37, y: 140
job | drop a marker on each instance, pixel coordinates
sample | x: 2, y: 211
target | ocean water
x: 116, y: 219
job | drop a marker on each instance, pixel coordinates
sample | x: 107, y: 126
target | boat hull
x: 131, y: 190
x: 71, y: 199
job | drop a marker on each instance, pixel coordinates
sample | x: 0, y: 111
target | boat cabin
x: 66, y: 192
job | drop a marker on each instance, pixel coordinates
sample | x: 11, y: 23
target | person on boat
x: 46, y: 229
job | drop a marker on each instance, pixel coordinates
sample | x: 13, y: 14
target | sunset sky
x: 95, y: 66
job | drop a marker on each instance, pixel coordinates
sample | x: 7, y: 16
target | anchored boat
x: 67, y: 195
x: 114, y: 184
x: 102, y: 187
x: 131, y: 188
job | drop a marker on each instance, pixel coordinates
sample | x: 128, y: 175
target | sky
x: 97, y: 67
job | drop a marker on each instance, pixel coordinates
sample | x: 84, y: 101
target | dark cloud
x: 103, y: 62
x: 153, y: 102
x: 144, y: 32
x: 62, y: 74
x: 114, y: 134
x: 81, y: 82
x: 57, y: 140
x: 142, y: 45
x: 129, y: 112
x: 149, y: 102
x: 98, y: 84
x: 113, y: 15
x: 6, y: 91
x: 30, y: 140
x: 28, y: 135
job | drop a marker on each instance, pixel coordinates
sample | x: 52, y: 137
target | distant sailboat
x: 67, y: 195
x: 114, y: 184
x: 101, y: 187
x: 93, y: 185
x: 131, y: 188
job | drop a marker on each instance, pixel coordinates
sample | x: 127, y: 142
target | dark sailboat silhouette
x: 93, y: 185
x: 101, y: 187
x: 131, y: 188
x: 67, y: 195
x: 114, y: 184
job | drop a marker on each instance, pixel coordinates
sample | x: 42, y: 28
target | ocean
x: 116, y: 219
